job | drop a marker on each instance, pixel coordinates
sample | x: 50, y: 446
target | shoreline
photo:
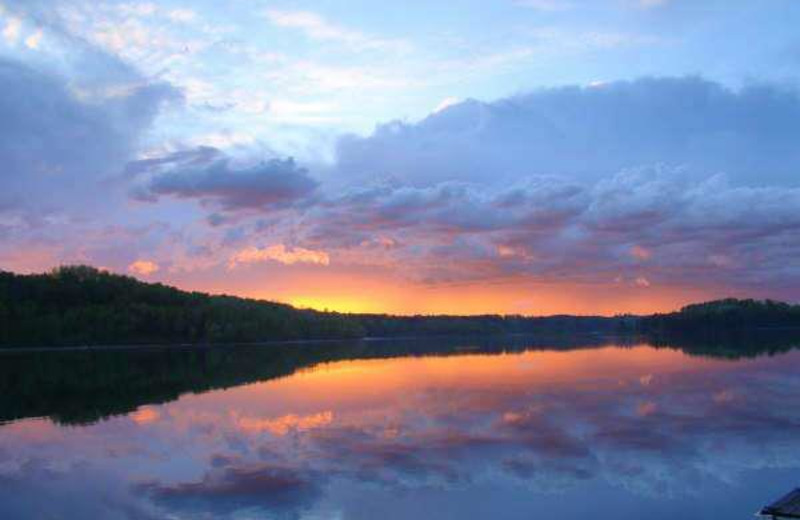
x: 5, y: 350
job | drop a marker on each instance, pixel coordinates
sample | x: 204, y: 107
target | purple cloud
x: 208, y: 175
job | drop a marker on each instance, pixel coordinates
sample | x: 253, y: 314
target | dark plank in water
x: 786, y: 507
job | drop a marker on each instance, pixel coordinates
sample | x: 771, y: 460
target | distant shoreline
x: 278, y: 342
x: 6, y: 350
x: 82, y: 308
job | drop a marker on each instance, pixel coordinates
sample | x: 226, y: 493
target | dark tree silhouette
x: 79, y: 305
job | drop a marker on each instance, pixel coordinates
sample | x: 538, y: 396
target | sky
x: 509, y: 156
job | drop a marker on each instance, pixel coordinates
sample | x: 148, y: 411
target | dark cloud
x: 587, y: 133
x: 445, y: 209
x: 208, y: 175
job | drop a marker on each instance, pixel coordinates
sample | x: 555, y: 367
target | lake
x: 507, y: 428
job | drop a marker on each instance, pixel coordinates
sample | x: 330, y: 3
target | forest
x: 726, y: 317
x: 84, y: 306
x: 79, y: 305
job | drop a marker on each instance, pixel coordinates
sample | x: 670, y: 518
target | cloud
x: 651, y: 225
x: 446, y: 209
x: 72, y: 116
x: 151, y: 36
x: 279, y: 253
x: 34, y: 40
x: 312, y: 24
x: 447, y: 196
x: 446, y: 103
x: 652, y: 183
x: 575, y: 183
x: 143, y: 267
x: 12, y: 30
x: 318, y: 28
x: 62, y: 143
x: 589, y: 133
x: 641, y: 253
x: 208, y: 175
x: 182, y: 15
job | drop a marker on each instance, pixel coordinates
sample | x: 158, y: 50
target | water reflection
x: 83, y: 386
x: 499, y: 432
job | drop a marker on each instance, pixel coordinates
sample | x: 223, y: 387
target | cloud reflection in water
x: 634, y: 425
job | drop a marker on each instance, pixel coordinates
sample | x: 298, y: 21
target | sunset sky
x: 469, y: 156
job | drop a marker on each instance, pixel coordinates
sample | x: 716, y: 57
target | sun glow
x: 359, y: 295
x: 335, y: 304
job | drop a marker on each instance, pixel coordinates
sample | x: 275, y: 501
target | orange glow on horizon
x: 334, y: 304
x: 367, y: 295
x: 361, y: 290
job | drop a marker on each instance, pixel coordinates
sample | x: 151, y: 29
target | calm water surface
x: 395, y: 431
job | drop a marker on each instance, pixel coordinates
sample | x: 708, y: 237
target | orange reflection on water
x: 531, y: 369
x: 280, y: 426
x: 32, y: 430
x: 313, y: 397
x: 145, y: 415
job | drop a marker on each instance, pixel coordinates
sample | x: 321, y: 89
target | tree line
x: 726, y: 317
x: 81, y: 305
